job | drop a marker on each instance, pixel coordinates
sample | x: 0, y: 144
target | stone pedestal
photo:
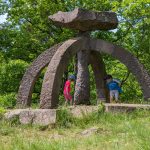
x: 41, y: 117
x: 46, y: 117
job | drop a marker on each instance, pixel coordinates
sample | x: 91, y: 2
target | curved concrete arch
x: 49, y: 94
x: 99, y: 71
x: 51, y: 83
x: 28, y: 81
x: 128, y: 59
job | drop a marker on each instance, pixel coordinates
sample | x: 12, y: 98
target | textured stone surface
x: 90, y: 131
x: 12, y: 114
x: 57, y: 136
x: 82, y: 87
x: 82, y: 110
x: 45, y: 117
x: 50, y: 88
x: 26, y: 117
x: 85, y: 20
x: 128, y: 59
x: 33, y: 116
x: 124, y: 107
x: 99, y: 70
x: 31, y: 75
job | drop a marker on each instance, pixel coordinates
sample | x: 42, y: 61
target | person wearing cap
x: 67, y: 89
x: 114, y: 87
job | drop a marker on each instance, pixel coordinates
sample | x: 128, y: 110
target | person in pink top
x: 67, y: 89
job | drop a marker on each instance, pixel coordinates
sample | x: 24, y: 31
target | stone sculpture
x: 89, y: 52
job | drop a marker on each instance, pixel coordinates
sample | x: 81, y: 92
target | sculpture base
x: 46, y: 117
x: 120, y: 107
x: 41, y: 117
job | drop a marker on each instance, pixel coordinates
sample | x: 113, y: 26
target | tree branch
x: 45, y: 31
x: 120, y: 38
x: 125, y: 78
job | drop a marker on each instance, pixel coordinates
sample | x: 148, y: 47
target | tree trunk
x: 82, y: 87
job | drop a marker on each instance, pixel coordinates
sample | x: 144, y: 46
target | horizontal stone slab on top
x: 85, y: 20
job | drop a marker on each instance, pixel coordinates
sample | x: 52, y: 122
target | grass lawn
x: 115, y: 131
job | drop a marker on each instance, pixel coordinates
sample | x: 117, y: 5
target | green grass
x: 116, y: 131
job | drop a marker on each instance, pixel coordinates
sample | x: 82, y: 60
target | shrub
x: 101, y: 108
x: 64, y: 117
x: 61, y: 99
x: 10, y: 75
x: 8, y: 100
x: 2, y: 111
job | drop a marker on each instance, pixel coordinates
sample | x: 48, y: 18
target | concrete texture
x: 82, y: 87
x: 85, y: 20
x: 50, y: 88
x: 41, y: 117
x: 99, y: 70
x: 31, y: 75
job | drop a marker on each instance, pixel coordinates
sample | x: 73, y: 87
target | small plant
x: 15, y: 121
x: 6, y: 131
x: 43, y: 128
x: 61, y: 99
x: 8, y: 100
x: 64, y: 117
x: 101, y: 108
x: 2, y: 111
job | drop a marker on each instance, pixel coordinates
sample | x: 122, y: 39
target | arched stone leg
x: 82, y: 87
x: 129, y: 60
x: 52, y: 78
x: 99, y: 70
x: 31, y: 75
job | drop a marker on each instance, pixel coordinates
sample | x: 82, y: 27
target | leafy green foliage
x: 10, y: 75
x: 2, y: 111
x: 8, y: 100
x: 64, y: 117
x: 131, y: 89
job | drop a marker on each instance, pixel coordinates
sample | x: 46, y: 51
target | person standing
x: 114, y: 88
x: 67, y: 89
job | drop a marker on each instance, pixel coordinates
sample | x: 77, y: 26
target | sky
x: 3, y: 18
